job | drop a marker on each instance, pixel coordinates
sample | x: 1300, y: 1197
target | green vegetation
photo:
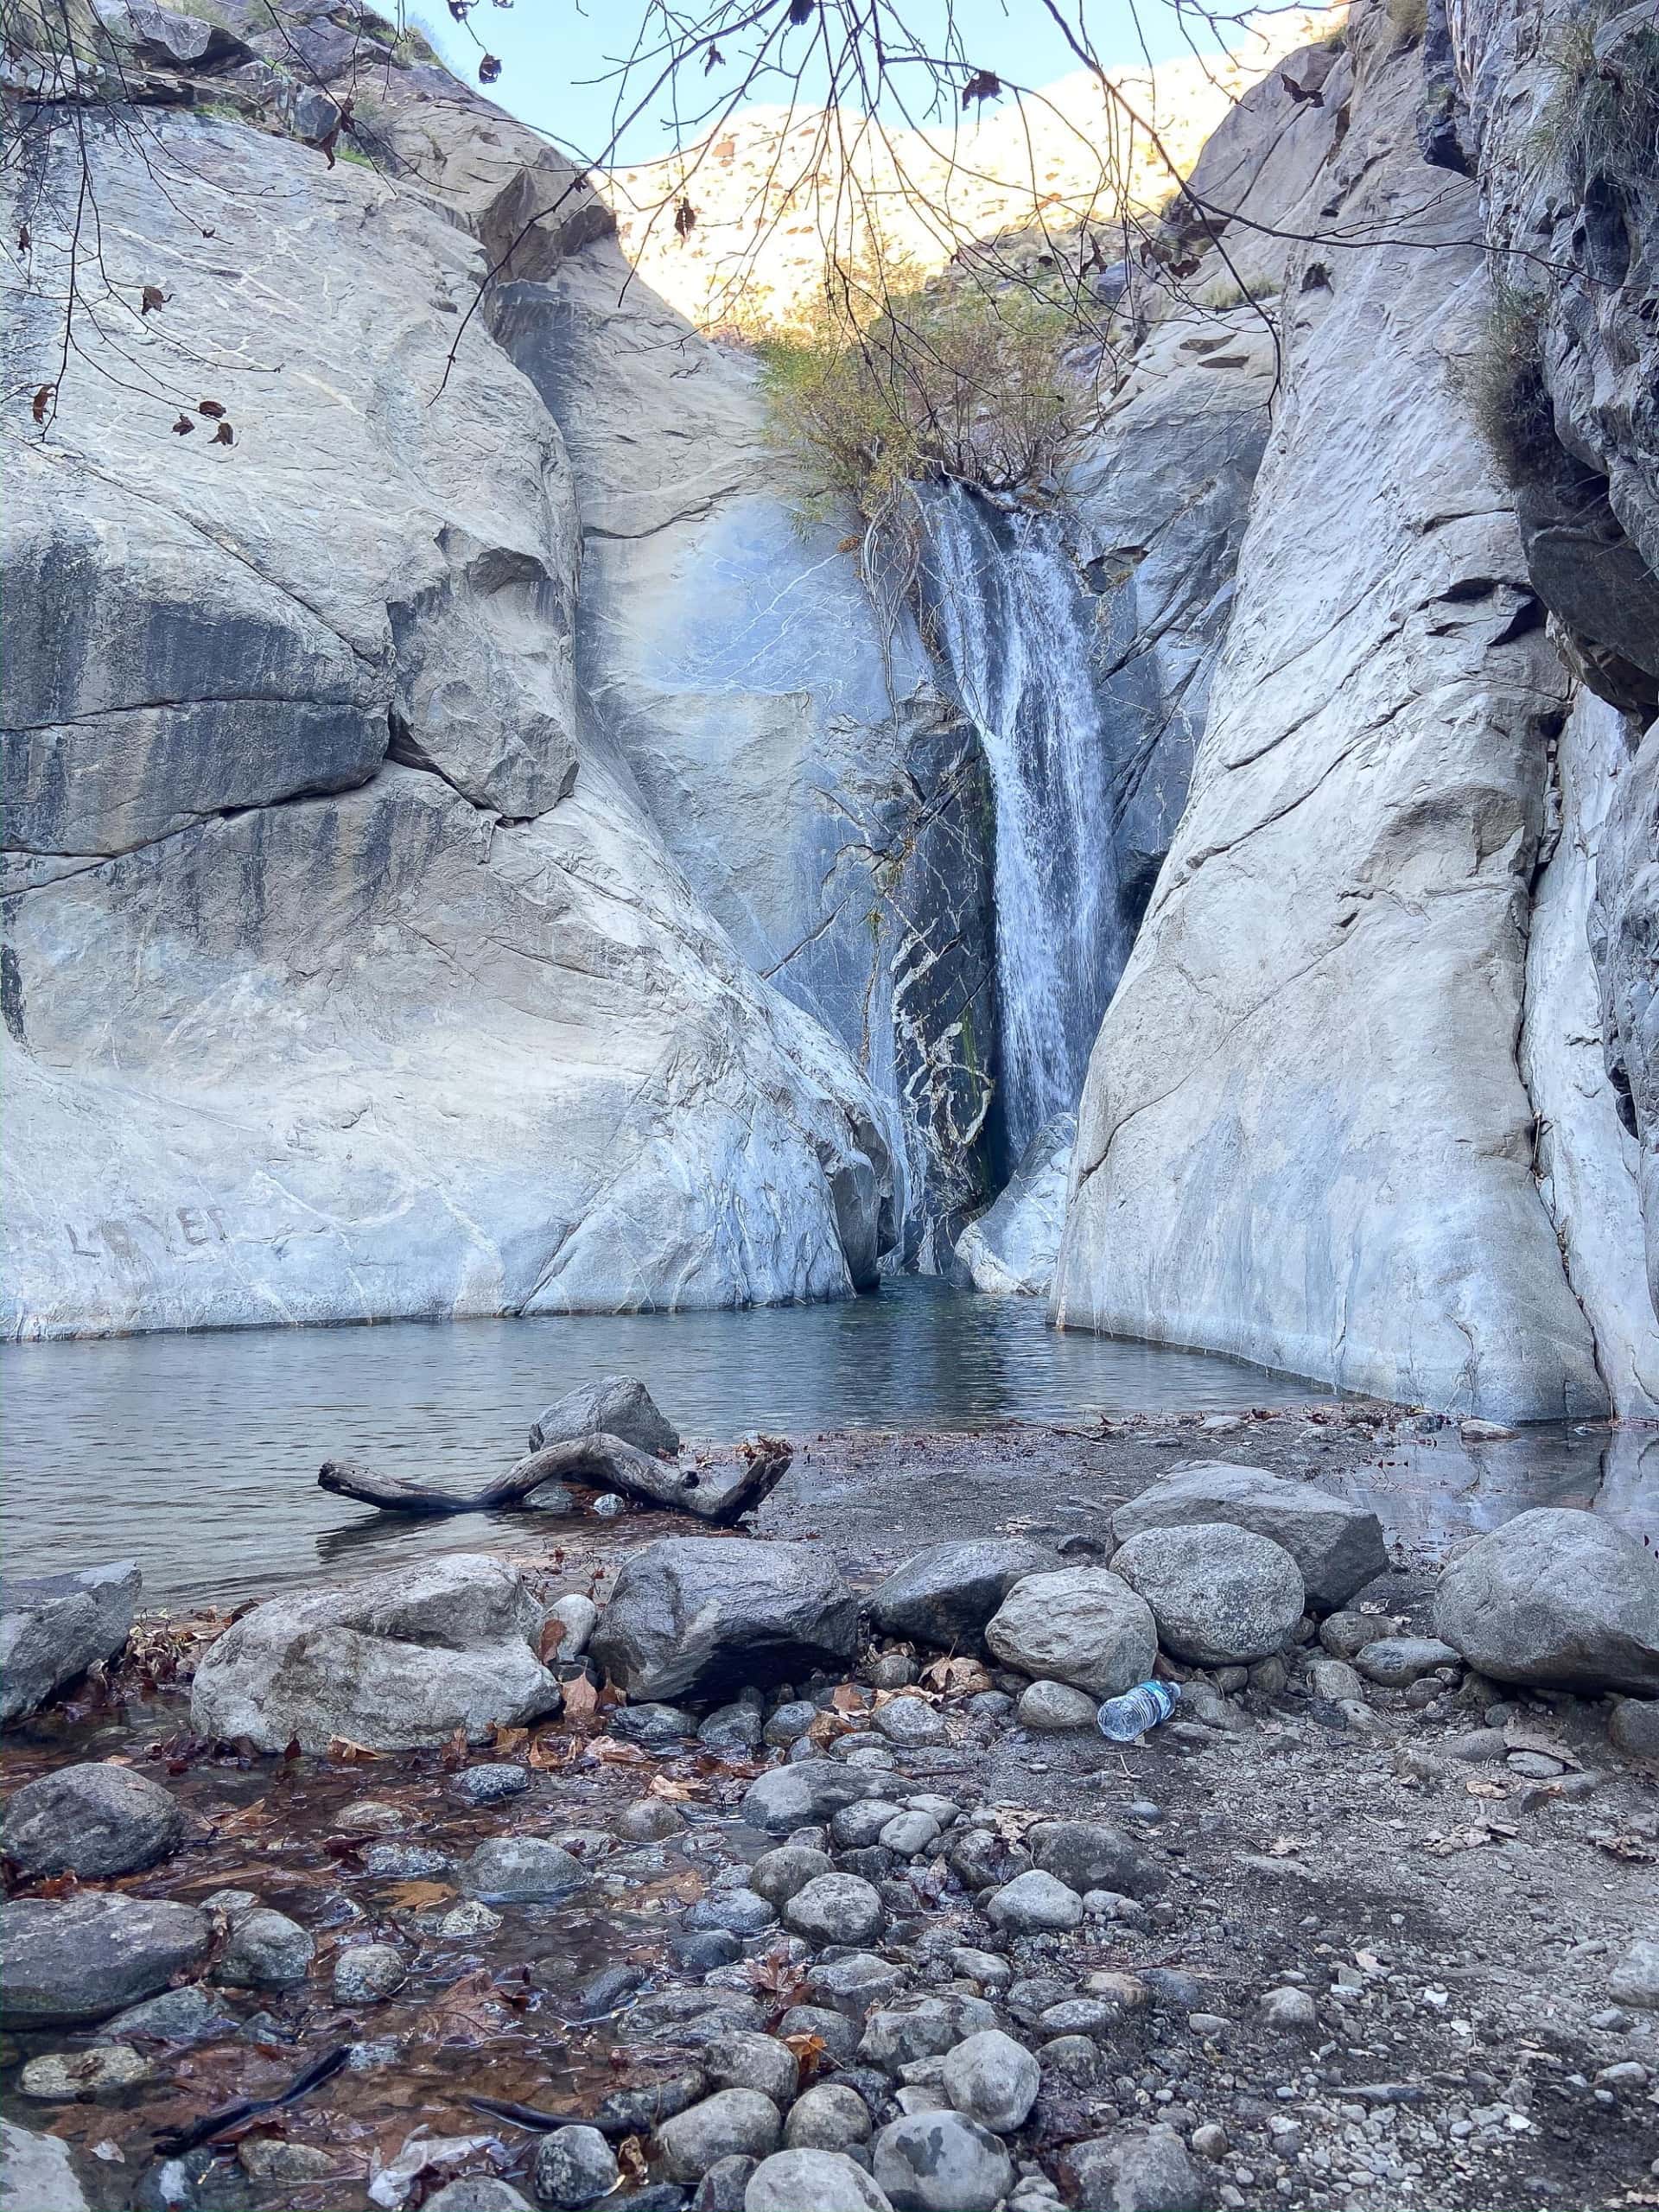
x: 888, y: 382
x: 1226, y: 292
x: 1409, y: 19
x: 1505, y: 387
x: 1604, y: 118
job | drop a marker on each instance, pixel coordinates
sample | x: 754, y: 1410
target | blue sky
x: 552, y: 51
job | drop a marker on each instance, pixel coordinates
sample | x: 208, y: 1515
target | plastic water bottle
x: 1122, y: 1719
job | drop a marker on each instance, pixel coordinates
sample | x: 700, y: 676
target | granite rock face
x: 1305, y: 1138
x: 347, y: 974
x: 1010, y: 1247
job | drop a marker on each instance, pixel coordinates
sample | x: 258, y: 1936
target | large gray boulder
x: 701, y: 1617
x: 65, y: 1962
x: 1220, y: 1595
x: 1338, y: 1547
x: 93, y: 1821
x: 52, y: 1627
x: 941, y: 2162
x: 399, y: 1659
x: 946, y: 1594
x: 617, y: 1405
x: 1084, y: 1625
x: 1555, y: 1596
x: 806, y: 1792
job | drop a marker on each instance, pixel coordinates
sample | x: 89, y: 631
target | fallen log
x: 717, y: 1490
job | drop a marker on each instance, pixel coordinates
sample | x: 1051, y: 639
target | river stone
x: 1033, y: 1902
x: 265, y: 1950
x: 578, y: 1616
x: 94, y: 1821
x: 855, y: 1827
x: 941, y: 2162
x: 811, y: 2180
x: 617, y: 1405
x: 521, y: 1869
x: 1334, y: 1680
x: 652, y: 1723
x: 722, y: 2188
x: 1635, y: 1979
x: 828, y: 2116
x: 366, y: 1972
x: 1137, y: 2173
x: 836, y: 1909
x: 1555, y: 1596
x: 1093, y: 1855
x: 1634, y: 1728
x: 479, y: 2193
x: 810, y: 1791
x: 946, y: 1594
x: 896, y: 2036
x: 1084, y: 1625
x: 851, y: 1985
x: 72, y: 1959
x: 740, y: 1912
x: 1055, y: 1705
x: 1338, y: 1548
x: 1396, y: 1662
x: 703, y: 1617
x: 397, y: 1661
x: 908, y: 1834
x: 1220, y: 1595
x: 734, y: 2123
x: 574, y: 2166
x: 993, y: 2079
x: 183, y: 2015
x: 743, y: 2061
x: 732, y: 1728
x: 53, y: 1627
x: 36, y: 2172
x: 777, y: 1875
x: 491, y: 1785
x: 62, y: 2076
x: 910, y: 1722
x: 649, y: 1820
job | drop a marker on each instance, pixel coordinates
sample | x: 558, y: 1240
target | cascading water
x: 1007, y: 617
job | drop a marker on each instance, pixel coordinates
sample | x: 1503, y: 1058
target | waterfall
x: 1007, y: 616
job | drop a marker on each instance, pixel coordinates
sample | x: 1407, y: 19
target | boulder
x: 812, y: 2181
x: 734, y: 2123
x: 574, y: 2166
x: 52, y: 1627
x: 616, y: 1405
x: 1084, y: 1625
x: 946, y: 1594
x: 68, y: 1961
x: 836, y: 1909
x: 1555, y: 1596
x: 93, y: 1821
x: 702, y: 1617
x: 941, y: 2162
x: 400, y: 1659
x: 1338, y: 1547
x: 1220, y: 1595
x: 1093, y: 1855
x: 1136, y: 2173
x: 992, y: 2079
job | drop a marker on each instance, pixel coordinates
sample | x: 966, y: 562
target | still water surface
x: 198, y: 1455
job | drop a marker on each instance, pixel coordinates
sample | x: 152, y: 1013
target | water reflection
x: 198, y: 1455
x: 1432, y: 1489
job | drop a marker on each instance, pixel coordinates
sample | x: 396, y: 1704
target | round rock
x: 94, y: 1821
x: 909, y: 1833
x: 574, y: 2166
x: 365, y: 1973
x: 836, y: 1909
x: 812, y: 2181
x: 1055, y: 1705
x: 741, y: 2061
x: 1220, y: 1595
x: 778, y: 1875
x: 736, y: 2123
x: 1035, y: 1901
x: 521, y: 1868
x: 941, y: 2162
x: 265, y: 1950
x: 992, y: 2079
x: 491, y: 1785
x: 826, y: 2117
x: 910, y: 1722
x: 1084, y: 1625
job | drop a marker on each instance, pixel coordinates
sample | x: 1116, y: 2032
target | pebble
x: 911, y: 1722
x: 1055, y: 1705
x: 836, y: 1909
x: 407, y: 1862
x: 992, y: 2079
x: 1291, y: 2010
x: 941, y: 2162
x: 473, y: 1918
x: 1335, y: 1679
x: 1210, y: 2141
x: 265, y: 2158
x: 890, y: 1670
x: 735, y: 2123
x: 265, y: 1950
x: 854, y: 1827
x: 1635, y: 1979
x: 809, y: 2180
x: 790, y: 1722
x: 491, y: 1785
x: 60, y: 2076
x: 607, y: 1505
x: 649, y: 1820
x: 574, y: 2166
x: 826, y: 2117
x: 990, y: 1704
x: 1034, y: 1901
x: 1537, y: 1766
x: 723, y: 2187
x: 909, y: 1833
x: 366, y: 1972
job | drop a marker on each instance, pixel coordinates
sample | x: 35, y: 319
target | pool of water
x: 198, y: 1455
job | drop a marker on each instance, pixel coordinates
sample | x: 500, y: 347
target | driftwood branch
x: 718, y: 1490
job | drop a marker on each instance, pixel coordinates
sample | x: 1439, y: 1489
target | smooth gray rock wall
x: 1305, y: 1138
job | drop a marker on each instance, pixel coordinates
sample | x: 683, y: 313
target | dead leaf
x: 154, y: 297
x: 630, y: 2157
x: 223, y: 435
x: 342, y: 1748
x: 847, y: 1698
x: 550, y: 1749
x: 1284, y: 1847
x: 42, y: 401
x: 956, y: 1677
x: 1479, y: 1788
x: 664, y: 1785
x: 507, y: 1741
x: 419, y: 1896
x: 809, y: 2054
x: 825, y: 1730
x: 581, y: 1699
x: 547, y: 1644
x: 183, y: 427
x: 1520, y: 1737
x: 214, y: 409
x: 611, y: 1750
x: 1628, y: 1847
x: 468, y: 2011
